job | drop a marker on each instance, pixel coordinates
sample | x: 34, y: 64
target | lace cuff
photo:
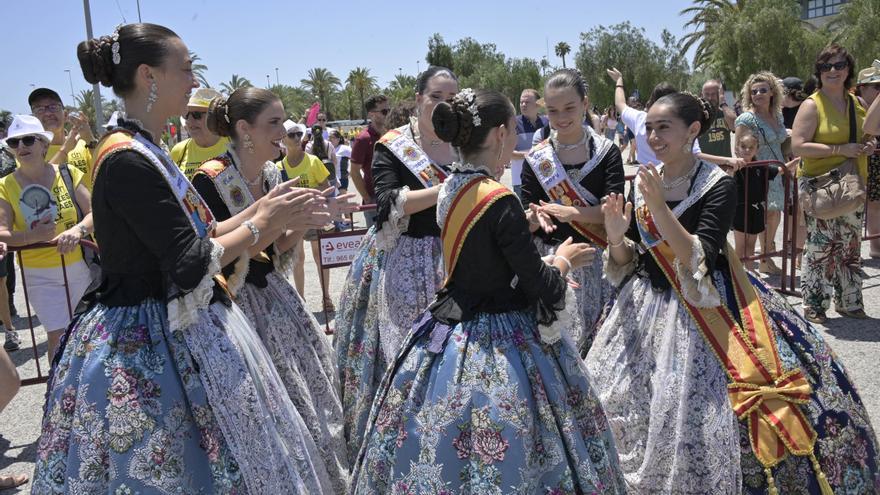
x: 398, y: 222
x: 235, y: 281
x: 183, y: 311
x: 566, y: 320
x: 285, y: 261
x: 614, y: 273
x: 696, y: 281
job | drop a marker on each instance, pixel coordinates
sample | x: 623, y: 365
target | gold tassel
x: 824, y: 486
x: 771, y: 484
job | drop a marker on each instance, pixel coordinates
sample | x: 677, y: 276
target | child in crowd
x: 751, y: 194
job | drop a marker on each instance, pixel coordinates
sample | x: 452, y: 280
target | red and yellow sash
x: 760, y: 391
x: 469, y: 205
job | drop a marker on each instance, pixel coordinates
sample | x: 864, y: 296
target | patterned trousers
x: 832, y: 264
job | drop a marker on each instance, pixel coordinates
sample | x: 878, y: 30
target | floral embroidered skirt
x: 383, y: 294
x: 832, y: 266
x: 485, y: 407
x: 665, y: 395
x: 305, y: 361
x: 133, y: 407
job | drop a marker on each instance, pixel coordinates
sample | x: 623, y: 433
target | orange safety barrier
x: 40, y: 376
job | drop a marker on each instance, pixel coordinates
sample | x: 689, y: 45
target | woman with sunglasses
x: 762, y: 117
x: 164, y: 386
x: 202, y: 144
x: 822, y: 136
x: 37, y: 205
x: 399, y: 267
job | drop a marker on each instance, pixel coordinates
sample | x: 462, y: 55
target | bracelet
x: 83, y: 231
x: 615, y: 244
x: 618, y: 85
x: 563, y: 258
x: 254, y: 230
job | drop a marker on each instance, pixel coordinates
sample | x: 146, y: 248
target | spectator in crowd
x: 7, y: 166
x: 362, y: 152
x: 762, y: 116
x: 822, y: 137
x: 75, y: 147
x: 609, y: 123
x: 527, y: 123
x: 320, y: 121
x: 872, y: 119
x: 793, y: 94
x: 868, y: 88
x: 401, y: 114
x: 36, y: 205
x: 319, y: 146
x: 751, y: 189
x: 343, y: 156
x: 716, y: 141
x: 202, y: 144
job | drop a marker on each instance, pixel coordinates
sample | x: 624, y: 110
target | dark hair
x: 660, y: 90
x: 243, y: 104
x: 690, y: 109
x: 141, y: 43
x: 827, y: 54
x: 400, y: 114
x: 374, y: 101
x: 811, y: 85
x: 338, y: 135
x: 567, y: 78
x: 454, y: 123
x: 319, y: 147
x: 533, y: 92
x: 431, y: 73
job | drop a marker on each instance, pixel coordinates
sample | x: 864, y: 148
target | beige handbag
x: 838, y: 192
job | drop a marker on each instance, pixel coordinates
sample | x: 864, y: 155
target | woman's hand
x: 615, y: 75
x: 617, y: 217
x: 290, y: 206
x: 339, y: 206
x: 562, y: 213
x: 43, y: 232
x: 851, y: 150
x: 68, y: 240
x: 651, y: 187
x: 539, y: 218
x: 736, y: 163
x: 578, y: 254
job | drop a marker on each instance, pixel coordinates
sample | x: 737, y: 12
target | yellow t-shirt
x: 832, y: 129
x: 39, y: 203
x: 80, y: 157
x: 310, y: 170
x: 189, y: 156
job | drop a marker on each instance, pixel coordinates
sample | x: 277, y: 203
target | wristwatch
x: 91, y: 144
x: 83, y: 231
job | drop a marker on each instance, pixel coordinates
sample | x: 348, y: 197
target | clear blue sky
x: 253, y: 37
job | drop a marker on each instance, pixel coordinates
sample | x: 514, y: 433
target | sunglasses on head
x: 195, y: 115
x: 27, y: 141
x: 295, y: 135
x: 384, y: 111
x: 762, y: 91
x: 836, y: 66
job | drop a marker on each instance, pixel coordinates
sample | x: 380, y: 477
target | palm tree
x: 361, y: 81
x: 321, y: 83
x: 235, y: 83
x: 708, y: 17
x: 402, y: 88
x: 562, y: 49
x: 85, y: 104
x: 544, y: 66
x: 199, y: 69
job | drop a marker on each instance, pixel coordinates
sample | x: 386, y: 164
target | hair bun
x: 708, y: 115
x: 218, y: 117
x: 96, y: 60
x: 447, y: 124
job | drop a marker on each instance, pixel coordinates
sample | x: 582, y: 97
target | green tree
x: 439, y: 53
x: 321, y: 83
x: 235, y: 83
x: 857, y: 28
x: 360, y: 80
x: 85, y: 104
x: 707, y: 18
x: 402, y: 88
x: 199, y: 69
x: 562, y: 49
x: 544, y: 66
x: 642, y: 62
x: 295, y: 100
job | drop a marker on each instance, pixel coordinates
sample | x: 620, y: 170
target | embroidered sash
x: 413, y: 157
x: 228, y: 182
x: 760, y: 391
x: 469, y: 205
x: 560, y: 187
x: 197, y: 212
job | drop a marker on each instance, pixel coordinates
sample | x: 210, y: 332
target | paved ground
x: 856, y: 342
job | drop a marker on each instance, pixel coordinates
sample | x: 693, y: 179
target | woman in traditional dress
x: 711, y: 382
x: 488, y: 394
x: 398, y: 269
x: 566, y: 177
x: 163, y: 386
x: 301, y: 352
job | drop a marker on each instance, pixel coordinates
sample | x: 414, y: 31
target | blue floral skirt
x: 486, y: 407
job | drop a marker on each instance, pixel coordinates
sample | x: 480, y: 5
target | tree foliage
x: 562, y: 49
x: 402, y: 88
x: 360, y: 82
x: 858, y: 29
x: 642, y: 62
x: 322, y: 84
x: 236, y: 82
x: 295, y: 100
x: 199, y: 69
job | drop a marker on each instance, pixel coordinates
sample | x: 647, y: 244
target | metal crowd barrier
x: 40, y: 376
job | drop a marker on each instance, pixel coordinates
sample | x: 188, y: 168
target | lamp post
x: 70, y: 79
x: 418, y: 69
x: 267, y: 81
x: 96, y: 88
x: 277, y: 81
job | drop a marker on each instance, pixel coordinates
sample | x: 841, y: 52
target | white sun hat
x: 27, y: 125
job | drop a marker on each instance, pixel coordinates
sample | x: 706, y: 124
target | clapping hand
x: 560, y: 212
x: 539, y: 219
x: 617, y: 217
x: 651, y: 187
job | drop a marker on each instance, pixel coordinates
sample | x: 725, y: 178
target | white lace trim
x: 565, y: 320
x: 285, y: 261
x: 184, y: 311
x: 240, y: 269
x: 614, y: 273
x: 397, y: 223
x: 696, y: 286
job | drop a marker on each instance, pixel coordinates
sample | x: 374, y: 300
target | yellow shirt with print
x: 10, y: 191
x: 189, y: 156
x: 80, y: 157
x: 310, y: 170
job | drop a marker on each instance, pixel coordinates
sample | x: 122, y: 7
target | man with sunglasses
x: 362, y: 152
x: 74, y: 147
x: 202, y: 145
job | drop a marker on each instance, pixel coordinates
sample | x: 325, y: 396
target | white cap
x: 27, y: 125
x: 291, y: 126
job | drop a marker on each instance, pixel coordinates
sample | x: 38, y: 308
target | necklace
x: 668, y: 186
x: 256, y: 181
x: 568, y: 147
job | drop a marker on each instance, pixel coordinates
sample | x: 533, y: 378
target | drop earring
x: 153, y: 96
x: 248, y: 144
